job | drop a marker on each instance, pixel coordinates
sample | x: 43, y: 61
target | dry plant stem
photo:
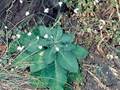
x: 107, y: 10
x: 98, y: 81
x: 56, y: 22
x: 7, y: 11
x: 112, y: 12
x: 115, y: 72
x: 99, y: 48
x: 87, y: 65
x: 76, y: 86
x: 34, y: 21
x: 117, y: 8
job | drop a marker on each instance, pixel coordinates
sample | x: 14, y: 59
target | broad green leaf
x: 69, y: 47
x: 57, y: 33
x: 49, y: 56
x: 25, y: 39
x: 80, y: 52
x: 60, y: 74
x: 68, y: 61
x: 44, y: 30
x: 37, y: 67
x: 12, y: 47
x: 33, y: 46
x: 38, y: 83
x: 35, y: 31
x: 56, y: 86
x: 77, y: 77
x: 59, y: 78
x: 67, y: 38
x: 21, y: 59
x: 44, y: 42
x: 45, y: 75
x: 37, y: 63
x: 54, y: 75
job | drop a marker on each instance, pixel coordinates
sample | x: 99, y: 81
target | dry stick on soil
x: 97, y: 80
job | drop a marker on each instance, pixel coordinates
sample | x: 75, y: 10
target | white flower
x: 37, y: 37
x: 12, y: 69
x: 40, y: 47
x: 16, y: 67
x: 6, y: 27
x: 76, y: 10
x: 46, y: 10
x: 41, y: 53
x: 51, y: 36
x: 9, y: 63
x: 27, y: 13
x: 21, y: 1
x: 18, y: 35
x: 46, y: 36
x: 20, y: 48
x: 97, y: 1
x: 57, y: 48
x: 29, y: 34
x: 60, y: 3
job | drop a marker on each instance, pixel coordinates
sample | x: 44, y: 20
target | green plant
x: 50, y: 54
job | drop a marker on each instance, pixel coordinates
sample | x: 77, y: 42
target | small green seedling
x: 50, y: 54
